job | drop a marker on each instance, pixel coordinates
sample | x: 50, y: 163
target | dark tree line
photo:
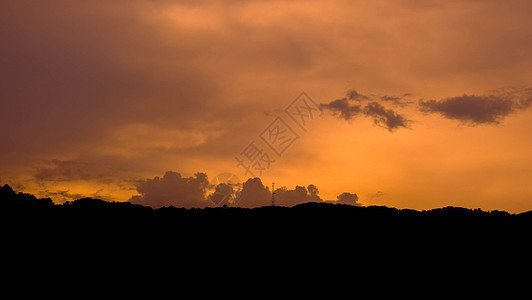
x: 12, y: 203
x: 350, y: 229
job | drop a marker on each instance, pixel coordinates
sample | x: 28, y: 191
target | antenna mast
x: 273, y: 193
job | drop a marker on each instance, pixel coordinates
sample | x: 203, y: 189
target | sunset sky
x: 423, y: 103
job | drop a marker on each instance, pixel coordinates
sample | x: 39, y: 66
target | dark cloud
x: 313, y: 191
x: 484, y: 109
x: 100, y: 169
x: 348, y: 198
x: 223, y: 194
x: 401, y: 101
x: 473, y: 110
x: 288, y: 197
x: 387, y: 118
x: 68, y: 170
x: 254, y: 194
x: 354, y: 95
x: 173, y: 190
x: 342, y: 109
x: 390, y: 98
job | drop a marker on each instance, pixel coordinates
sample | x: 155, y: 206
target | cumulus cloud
x: 223, y: 194
x: 389, y: 119
x: 313, y: 192
x: 480, y: 109
x: 253, y: 194
x: 300, y: 194
x: 348, y: 198
x: 173, y: 190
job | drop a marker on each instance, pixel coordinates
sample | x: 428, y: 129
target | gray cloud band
x: 484, y: 109
x: 471, y: 110
x: 352, y: 106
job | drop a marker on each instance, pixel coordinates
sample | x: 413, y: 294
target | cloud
x: 94, y: 168
x: 58, y: 170
x: 173, y: 190
x: 348, y: 198
x: 223, y: 194
x: 141, y: 138
x: 313, y: 191
x: 400, y: 101
x: 376, y: 195
x: 383, y: 117
x: 483, y: 109
x: 390, y: 98
x: 386, y: 118
x: 254, y: 194
x: 69, y: 170
x: 150, y: 81
x: 300, y: 194
x: 354, y: 95
x: 472, y: 110
x: 342, y: 109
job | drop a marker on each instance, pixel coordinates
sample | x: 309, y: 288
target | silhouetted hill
x: 11, y: 200
x: 20, y: 204
x: 310, y: 228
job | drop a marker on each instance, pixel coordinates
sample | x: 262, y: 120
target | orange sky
x: 97, y: 95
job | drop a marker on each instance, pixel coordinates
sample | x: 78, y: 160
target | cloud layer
x: 348, y: 198
x: 97, y: 94
x: 473, y: 110
x: 173, y: 190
